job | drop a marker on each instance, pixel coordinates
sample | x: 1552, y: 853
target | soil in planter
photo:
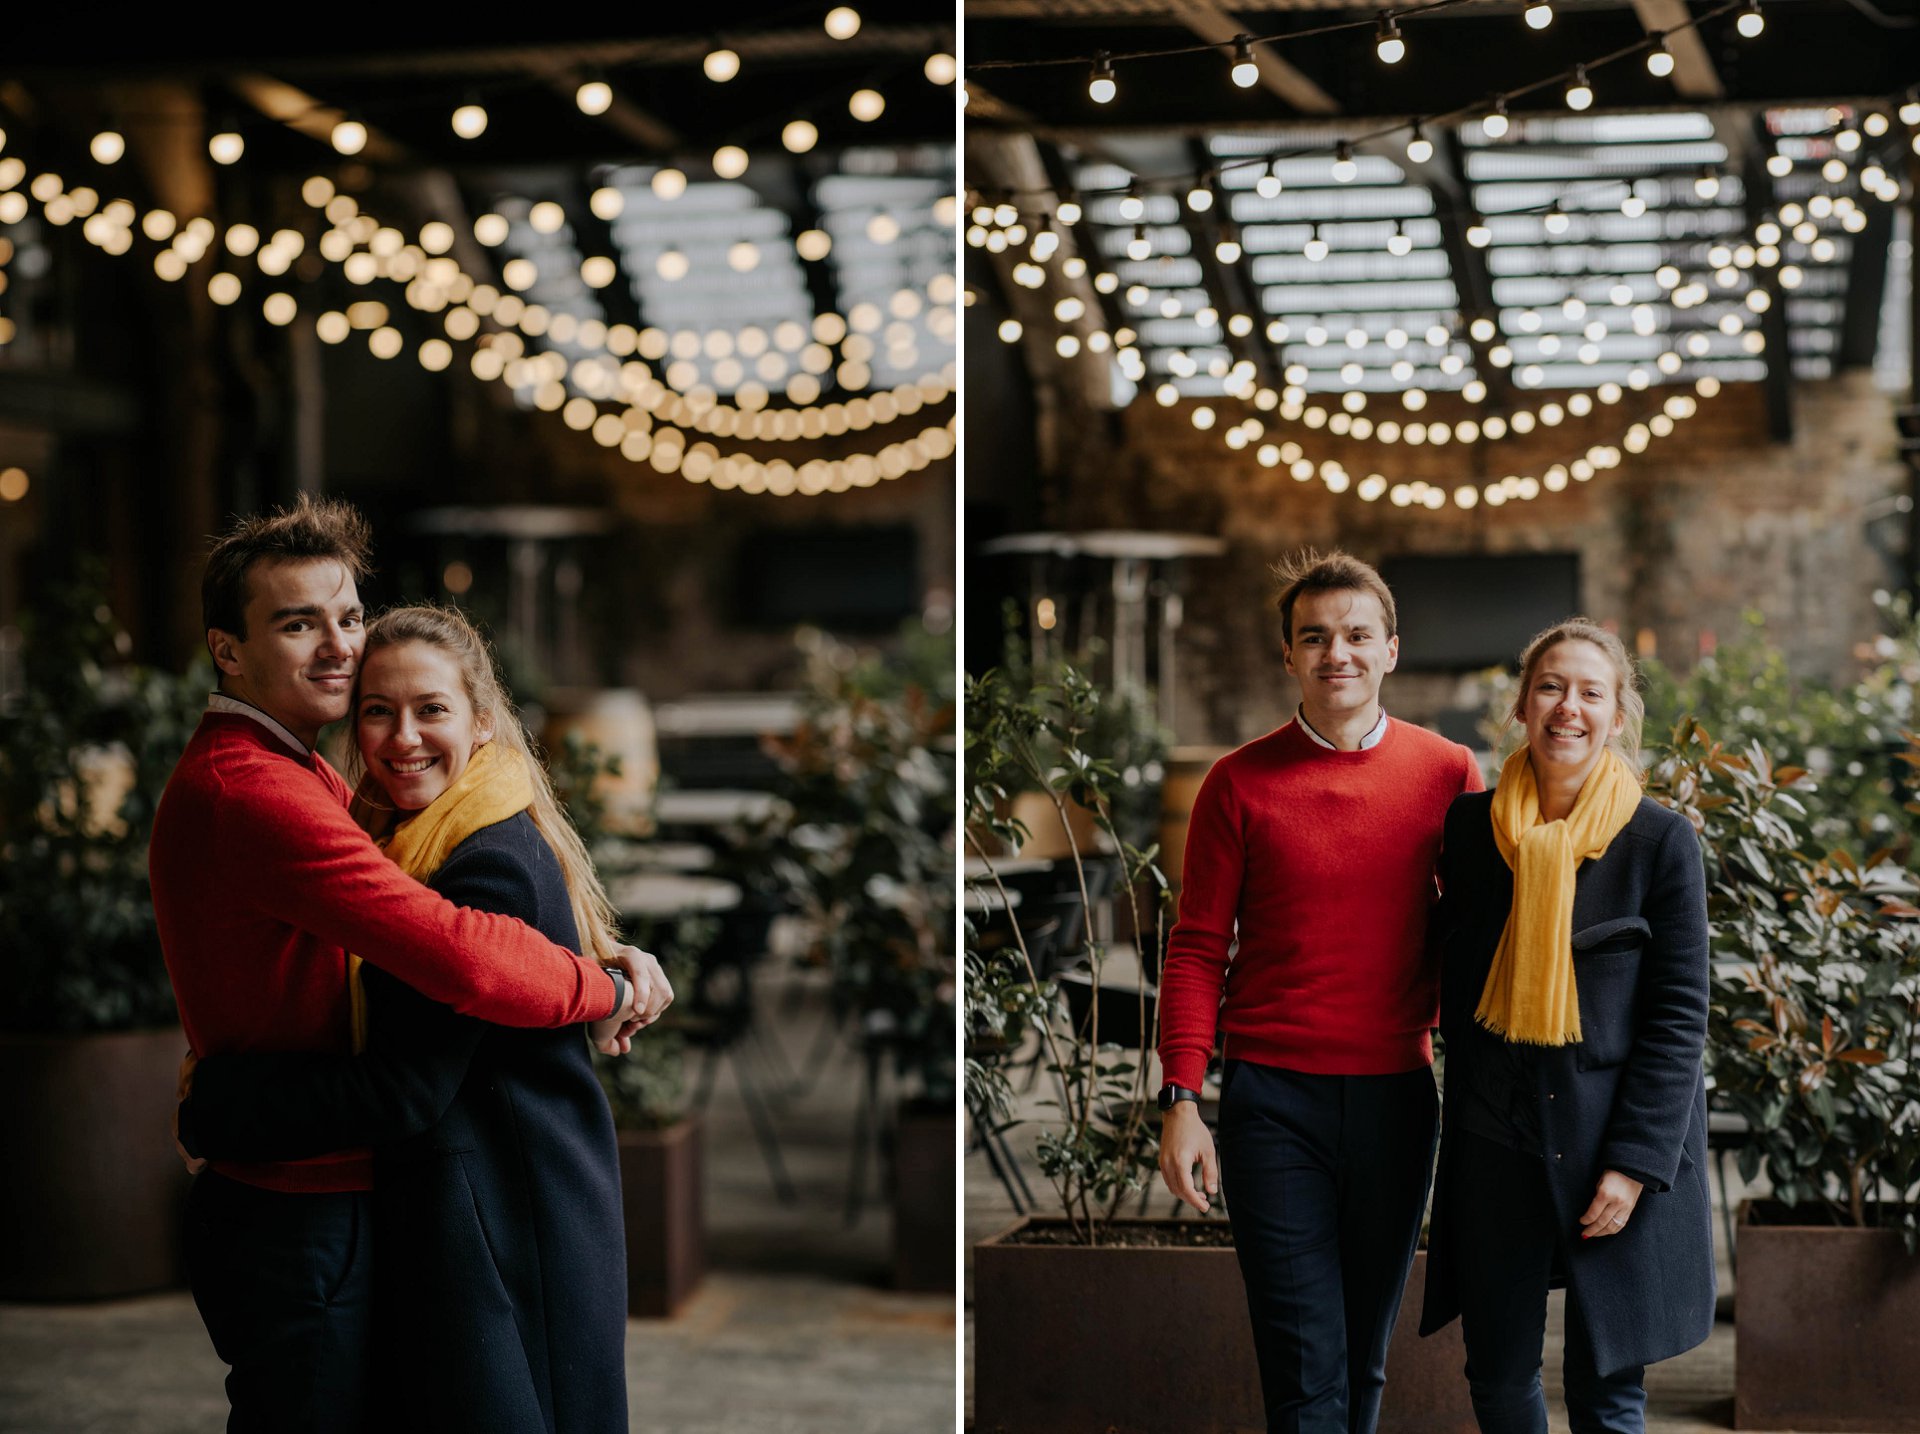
x: 1158, y: 1235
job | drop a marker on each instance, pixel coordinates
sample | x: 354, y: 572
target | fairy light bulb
x: 1245, y: 73
x: 1388, y: 43
x: 226, y: 147
x: 1227, y: 251
x: 349, y: 136
x: 672, y: 265
x: 1344, y: 169
x: 1494, y: 122
x: 1138, y: 248
x: 1707, y: 186
x: 1579, y: 93
x: 843, y: 22
x: 1539, y: 14
x: 866, y: 105
x: 1132, y: 207
x: 1399, y: 243
x: 1068, y: 211
x: 470, y: 121
x: 729, y: 161
x: 721, y: 64
x: 1268, y: 185
x: 1659, y: 58
x: 1419, y: 147
x: 1101, y: 85
x: 595, y: 97
x: 799, y: 136
x: 1316, y: 248
x: 1751, y: 21
x: 1479, y: 235
x: 107, y: 147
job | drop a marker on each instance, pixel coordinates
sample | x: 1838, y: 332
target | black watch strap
x: 1171, y: 1095
x: 619, y: 988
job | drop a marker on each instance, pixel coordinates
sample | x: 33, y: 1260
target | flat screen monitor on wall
x: 1459, y: 612
x: 858, y: 578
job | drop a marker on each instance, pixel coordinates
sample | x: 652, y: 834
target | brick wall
x: 1677, y: 541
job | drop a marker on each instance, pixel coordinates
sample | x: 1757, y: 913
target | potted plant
x: 1813, y: 1041
x: 89, y: 1035
x: 1056, y: 1346
x: 865, y: 850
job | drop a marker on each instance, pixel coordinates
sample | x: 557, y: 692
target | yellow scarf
x: 494, y: 786
x: 1530, y: 995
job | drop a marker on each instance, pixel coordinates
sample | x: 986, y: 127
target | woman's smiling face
x: 1571, y: 709
x: 415, y: 723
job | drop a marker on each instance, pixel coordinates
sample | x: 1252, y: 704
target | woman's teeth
x: 408, y: 769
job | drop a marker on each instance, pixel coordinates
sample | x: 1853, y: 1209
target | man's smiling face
x: 1339, y: 652
x: 304, y: 632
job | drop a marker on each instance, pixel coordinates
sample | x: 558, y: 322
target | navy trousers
x: 1326, y: 1180
x: 1510, y: 1241
x: 282, y: 1282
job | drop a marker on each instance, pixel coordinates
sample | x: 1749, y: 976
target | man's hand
x: 648, y: 994
x: 183, y: 1087
x: 1612, y: 1206
x: 1185, y: 1141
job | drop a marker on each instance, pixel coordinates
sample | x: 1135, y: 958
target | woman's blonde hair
x: 1626, y: 671
x: 449, y: 630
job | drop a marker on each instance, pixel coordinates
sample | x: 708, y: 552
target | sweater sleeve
x: 288, y: 1106
x: 1470, y: 778
x: 1654, y: 1101
x: 299, y: 858
x: 1195, y: 972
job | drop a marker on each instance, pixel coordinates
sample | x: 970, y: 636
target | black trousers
x: 282, y: 1282
x: 1326, y: 1180
x: 1511, y: 1243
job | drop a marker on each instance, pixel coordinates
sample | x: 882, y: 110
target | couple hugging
x: 1565, y: 962
x: 407, y: 1206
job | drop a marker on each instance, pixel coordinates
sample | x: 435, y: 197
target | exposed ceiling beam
x: 300, y: 111
x: 1086, y: 242
x: 1277, y: 76
x: 635, y: 125
x: 1694, y: 77
x: 1746, y: 152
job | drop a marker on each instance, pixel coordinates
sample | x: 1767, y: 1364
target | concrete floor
x: 1686, y: 1395
x: 794, y: 1332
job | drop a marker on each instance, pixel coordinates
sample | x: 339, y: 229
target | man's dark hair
x: 1308, y: 571
x: 313, y: 528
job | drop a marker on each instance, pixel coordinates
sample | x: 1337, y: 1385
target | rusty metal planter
x: 91, y: 1207
x: 1143, y: 1339
x: 923, y: 1215
x: 1826, y: 1328
x: 662, y: 1192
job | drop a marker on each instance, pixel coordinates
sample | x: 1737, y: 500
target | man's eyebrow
x: 311, y: 610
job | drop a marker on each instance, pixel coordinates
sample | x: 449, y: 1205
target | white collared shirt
x: 1372, y: 739
x: 220, y: 702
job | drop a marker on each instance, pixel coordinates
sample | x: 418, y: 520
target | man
x: 1318, y: 843
x: 261, y: 887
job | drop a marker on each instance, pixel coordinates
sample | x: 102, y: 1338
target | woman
x: 500, y: 1286
x: 1574, y: 1010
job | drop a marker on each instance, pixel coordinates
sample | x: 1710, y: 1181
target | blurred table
x: 657, y: 895
x: 687, y: 857
x: 980, y: 868
x: 713, y: 808
x: 991, y: 898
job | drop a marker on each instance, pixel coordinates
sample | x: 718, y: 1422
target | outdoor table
x: 713, y: 808
x: 979, y: 868
x: 663, y: 894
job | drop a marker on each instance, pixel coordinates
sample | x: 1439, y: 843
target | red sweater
x: 261, y: 885
x: 1325, y: 860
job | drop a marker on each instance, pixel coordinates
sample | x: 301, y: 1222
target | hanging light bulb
x: 1751, y: 21
x: 1268, y: 185
x: 1245, y: 73
x: 799, y: 136
x: 1227, y: 251
x: 729, y: 161
x: 1388, y: 43
x: 1200, y: 197
x: 866, y: 105
x: 1419, y: 147
x: 721, y: 64
x: 1316, y: 249
x: 843, y: 22
x: 470, y: 121
x: 1399, y: 243
x: 1479, y: 235
x: 1068, y: 211
x: 1659, y: 58
x: 349, y: 136
x: 1101, y: 85
x: 1779, y: 166
x: 1556, y: 221
x: 1495, y: 121
x: 1132, y: 207
x: 672, y: 265
x: 1579, y: 93
x: 1138, y: 249
x: 1707, y: 186
x: 1344, y: 169
x: 107, y: 146
x: 1539, y: 14
x: 226, y: 147
x: 595, y: 97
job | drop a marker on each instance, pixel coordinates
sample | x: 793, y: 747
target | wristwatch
x: 1171, y: 1095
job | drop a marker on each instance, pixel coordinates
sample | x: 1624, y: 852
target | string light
x: 1419, y: 147
x: 799, y: 136
x: 107, y: 147
x: 941, y: 69
x: 843, y: 22
x: 1707, y: 185
x: 1101, y: 84
x: 1227, y: 251
x: 1344, y: 169
x: 470, y: 120
x: 349, y: 137
x: 1388, y: 44
x: 1138, y: 249
x: 226, y: 147
x: 720, y: 64
x: 1751, y: 21
x: 1245, y: 73
x: 1399, y: 243
x: 1539, y: 14
x: 1316, y: 247
x: 1659, y: 58
x: 1579, y: 93
x: 594, y: 97
x: 1494, y: 122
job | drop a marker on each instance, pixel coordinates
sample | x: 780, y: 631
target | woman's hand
x: 648, y: 994
x: 1613, y: 1202
x: 1185, y: 1141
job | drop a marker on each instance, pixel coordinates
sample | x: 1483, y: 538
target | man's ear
x: 222, y: 645
x: 1393, y: 652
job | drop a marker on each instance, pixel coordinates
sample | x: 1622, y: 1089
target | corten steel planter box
x: 93, y: 1201
x: 662, y: 1187
x: 924, y: 1166
x: 1147, y: 1339
x: 1826, y: 1327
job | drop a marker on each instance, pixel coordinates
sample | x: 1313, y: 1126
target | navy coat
x: 500, y: 1268
x: 1630, y: 1096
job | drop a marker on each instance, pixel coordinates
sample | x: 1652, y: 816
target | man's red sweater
x: 262, y: 884
x: 1325, y: 859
